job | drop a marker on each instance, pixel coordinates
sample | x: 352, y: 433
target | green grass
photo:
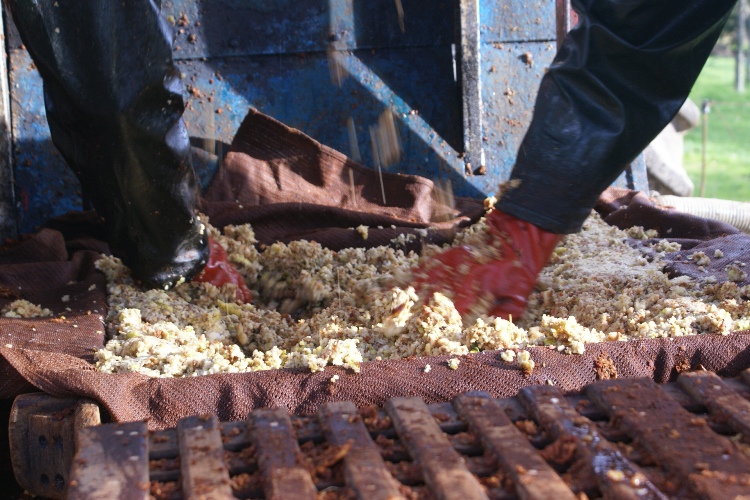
x: 728, y: 145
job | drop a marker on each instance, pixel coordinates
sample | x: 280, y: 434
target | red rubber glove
x: 219, y: 271
x: 495, y: 280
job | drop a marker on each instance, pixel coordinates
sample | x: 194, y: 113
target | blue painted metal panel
x: 417, y: 83
x: 516, y: 21
x: 635, y: 176
x: 512, y: 72
x: 298, y: 92
x: 272, y: 55
x: 44, y: 185
x: 228, y: 28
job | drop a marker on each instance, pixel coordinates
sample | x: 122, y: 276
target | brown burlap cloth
x: 288, y: 186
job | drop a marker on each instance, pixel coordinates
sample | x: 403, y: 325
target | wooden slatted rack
x: 625, y: 438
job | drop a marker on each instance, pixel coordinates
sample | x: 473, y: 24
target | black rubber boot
x: 619, y: 78
x: 114, y: 105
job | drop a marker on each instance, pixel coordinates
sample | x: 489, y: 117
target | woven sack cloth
x: 289, y: 187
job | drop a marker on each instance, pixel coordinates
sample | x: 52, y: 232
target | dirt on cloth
x: 288, y: 187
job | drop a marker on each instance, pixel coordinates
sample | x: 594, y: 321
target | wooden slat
x: 165, y: 475
x: 533, y: 477
x: 86, y: 414
x: 163, y: 443
x: 444, y: 470
x: 56, y: 442
x: 111, y: 463
x: 204, y: 473
x: 722, y: 402
x: 706, y: 462
x: 616, y: 476
x: 364, y: 468
x: 234, y: 435
x: 276, y: 446
x: 738, y: 386
x: 42, y: 431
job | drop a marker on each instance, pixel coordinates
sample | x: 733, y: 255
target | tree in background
x: 740, y: 17
x: 734, y: 38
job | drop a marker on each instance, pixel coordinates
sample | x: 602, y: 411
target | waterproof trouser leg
x: 619, y: 78
x: 114, y: 105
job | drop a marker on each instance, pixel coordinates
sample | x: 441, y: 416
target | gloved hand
x: 495, y: 280
x: 219, y: 271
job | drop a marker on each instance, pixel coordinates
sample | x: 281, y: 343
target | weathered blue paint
x: 44, y: 185
x: 298, y: 92
x: 274, y: 55
x: 508, y: 93
x: 517, y: 21
x: 229, y: 28
x: 634, y: 177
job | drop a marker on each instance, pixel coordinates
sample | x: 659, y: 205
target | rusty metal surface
x: 616, y: 439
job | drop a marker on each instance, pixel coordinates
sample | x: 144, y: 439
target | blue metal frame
x: 275, y: 55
